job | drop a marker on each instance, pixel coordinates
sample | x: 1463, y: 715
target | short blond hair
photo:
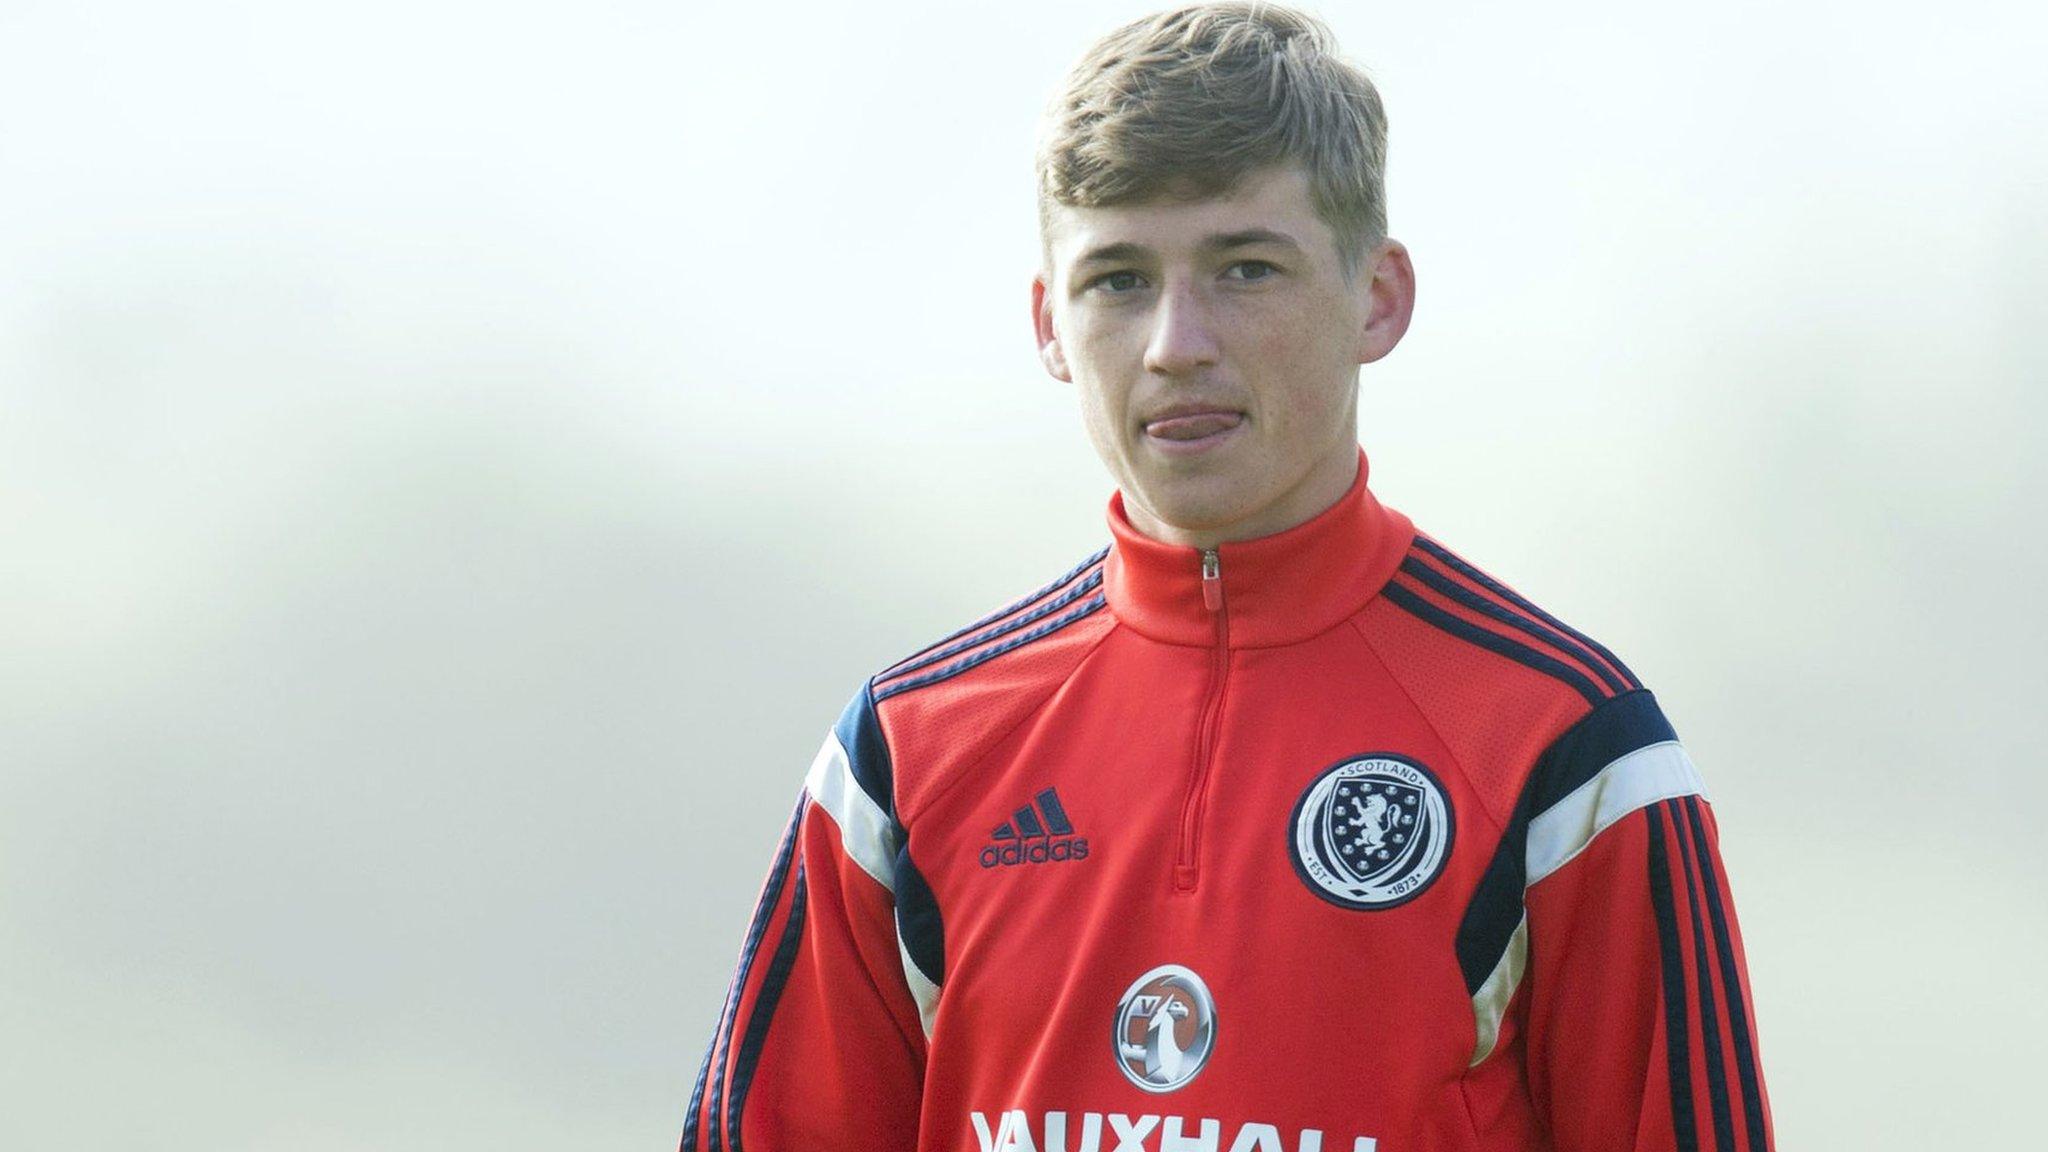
x: 1184, y: 104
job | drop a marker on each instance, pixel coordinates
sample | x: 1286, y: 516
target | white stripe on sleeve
x: 1637, y: 780
x: 1627, y: 784
x: 1490, y: 1003
x: 866, y: 830
x: 922, y: 990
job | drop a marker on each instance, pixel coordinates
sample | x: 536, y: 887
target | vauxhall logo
x: 1062, y: 1131
x: 1026, y: 839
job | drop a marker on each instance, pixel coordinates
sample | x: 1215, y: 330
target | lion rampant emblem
x: 1373, y: 818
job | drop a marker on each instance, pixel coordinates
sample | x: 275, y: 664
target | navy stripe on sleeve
x: 1677, y: 1038
x: 1455, y: 591
x: 1412, y: 603
x: 1464, y: 568
x: 771, y: 896
x: 689, y: 1143
x: 1013, y: 624
x: 1085, y: 608
x: 867, y: 752
x: 1710, y: 1015
x: 1599, y: 738
x: 992, y: 617
x: 1731, y: 983
x: 764, y: 1009
x: 917, y: 919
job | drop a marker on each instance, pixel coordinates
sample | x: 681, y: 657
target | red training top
x: 1321, y: 842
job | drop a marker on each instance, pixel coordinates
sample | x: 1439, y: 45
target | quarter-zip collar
x: 1279, y: 589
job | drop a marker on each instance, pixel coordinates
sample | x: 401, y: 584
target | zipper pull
x: 1212, y: 580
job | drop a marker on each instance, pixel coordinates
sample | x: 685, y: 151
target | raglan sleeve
x: 1640, y: 1029
x: 820, y: 1043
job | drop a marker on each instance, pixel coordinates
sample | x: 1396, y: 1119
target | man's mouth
x: 1193, y: 425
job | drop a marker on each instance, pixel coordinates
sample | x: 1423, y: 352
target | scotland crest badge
x: 1371, y: 832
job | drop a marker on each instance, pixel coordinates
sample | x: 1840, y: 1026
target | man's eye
x: 1251, y: 270
x: 1118, y: 281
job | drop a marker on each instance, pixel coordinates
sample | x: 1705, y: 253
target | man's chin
x: 1198, y: 504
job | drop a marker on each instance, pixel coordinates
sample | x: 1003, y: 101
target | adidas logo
x: 1026, y: 839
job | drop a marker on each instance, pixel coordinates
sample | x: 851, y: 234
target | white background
x: 456, y: 458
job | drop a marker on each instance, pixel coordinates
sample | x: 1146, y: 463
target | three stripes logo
x: 1026, y: 839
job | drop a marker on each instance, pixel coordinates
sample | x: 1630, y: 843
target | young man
x: 1275, y: 826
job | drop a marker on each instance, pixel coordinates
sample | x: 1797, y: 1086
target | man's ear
x: 1392, y: 292
x: 1049, y: 353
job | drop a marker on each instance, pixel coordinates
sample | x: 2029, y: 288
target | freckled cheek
x: 1274, y: 363
x: 1104, y: 364
x: 1267, y: 329
x: 1103, y: 405
x: 1082, y: 348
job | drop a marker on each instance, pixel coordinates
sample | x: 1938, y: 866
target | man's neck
x: 1315, y: 493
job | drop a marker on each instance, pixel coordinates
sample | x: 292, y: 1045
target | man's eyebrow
x: 1249, y: 236
x: 1126, y: 250
x: 1112, y: 253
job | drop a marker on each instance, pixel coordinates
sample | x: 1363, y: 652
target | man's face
x: 1216, y: 346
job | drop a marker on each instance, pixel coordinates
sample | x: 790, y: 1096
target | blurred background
x: 456, y: 459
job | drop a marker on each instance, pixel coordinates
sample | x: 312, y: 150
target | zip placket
x: 1186, y: 866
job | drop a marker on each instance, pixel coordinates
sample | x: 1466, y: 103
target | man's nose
x: 1183, y: 338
